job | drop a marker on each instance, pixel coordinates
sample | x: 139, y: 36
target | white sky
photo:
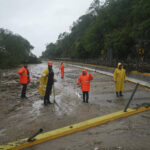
x: 40, y: 21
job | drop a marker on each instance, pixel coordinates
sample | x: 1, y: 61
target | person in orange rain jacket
x: 24, y: 79
x: 62, y: 70
x: 84, y: 82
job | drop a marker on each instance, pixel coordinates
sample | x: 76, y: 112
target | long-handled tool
x: 54, y: 97
x: 125, y: 110
x: 31, y: 139
x: 54, y: 93
x: 78, y: 92
x: 58, y: 73
x: 33, y: 94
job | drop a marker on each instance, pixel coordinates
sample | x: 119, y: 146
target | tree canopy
x: 121, y: 26
x: 14, y: 49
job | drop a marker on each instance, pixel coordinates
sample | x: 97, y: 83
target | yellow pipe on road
x: 71, y: 129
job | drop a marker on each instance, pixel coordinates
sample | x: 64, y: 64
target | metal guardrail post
x: 125, y: 110
x: 31, y: 139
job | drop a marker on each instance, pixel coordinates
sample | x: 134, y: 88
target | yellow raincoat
x: 43, y: 82
x: 119, y: 78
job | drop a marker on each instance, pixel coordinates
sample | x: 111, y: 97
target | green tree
x: 14, y: 49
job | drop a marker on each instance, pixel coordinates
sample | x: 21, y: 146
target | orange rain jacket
x: 84, y: 81
x: 62, y: 70
x: 24, y: 78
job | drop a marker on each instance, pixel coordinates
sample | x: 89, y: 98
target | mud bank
x: 21, y: 118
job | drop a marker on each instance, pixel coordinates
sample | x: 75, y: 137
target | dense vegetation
x: 115, y: 30
x: 14, y: 49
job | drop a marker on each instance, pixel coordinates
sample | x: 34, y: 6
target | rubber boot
x: 87, y: 99
x: 45, y: 102
x: 117, y: 94
x: 121, y: 93
x: 48, y: 102
x: 83, y: 98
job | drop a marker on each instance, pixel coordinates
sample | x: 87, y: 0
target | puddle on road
x: 61, y: 108
x: 2, y: 132
x: 36, y: 106
x: 78, y: 94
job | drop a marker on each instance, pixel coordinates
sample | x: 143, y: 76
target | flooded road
x: 21, y: 118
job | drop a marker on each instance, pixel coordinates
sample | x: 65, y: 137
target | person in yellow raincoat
x: 46, y: 83
x: 119, y: 78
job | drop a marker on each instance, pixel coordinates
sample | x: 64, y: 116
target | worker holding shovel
x: 84, y: 82
x: 46, y: 83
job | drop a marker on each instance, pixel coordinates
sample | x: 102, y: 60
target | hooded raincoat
x: 119, y: 78
x: 24, y: 75
x: 84, y: 81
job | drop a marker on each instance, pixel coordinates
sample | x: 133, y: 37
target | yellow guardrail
x: 105, y: 67
x: 81, y: 65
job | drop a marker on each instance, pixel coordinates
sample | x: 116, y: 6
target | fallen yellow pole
x: 71, y: 129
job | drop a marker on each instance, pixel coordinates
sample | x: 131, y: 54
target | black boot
x: 87, y: 99
x: 83, y: 97
x: 121, y: 93
x: 24, y: 97
x: 48, y: 102
x: 117, y: 94
x: 45, y: 101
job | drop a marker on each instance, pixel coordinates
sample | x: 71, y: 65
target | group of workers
x: 47, y: 81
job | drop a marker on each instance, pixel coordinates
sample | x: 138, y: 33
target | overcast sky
x: 40, y: 21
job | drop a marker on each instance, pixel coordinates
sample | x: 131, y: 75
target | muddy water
x: 21, y: 118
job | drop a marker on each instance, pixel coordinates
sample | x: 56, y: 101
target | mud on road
x: 21, y: 118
